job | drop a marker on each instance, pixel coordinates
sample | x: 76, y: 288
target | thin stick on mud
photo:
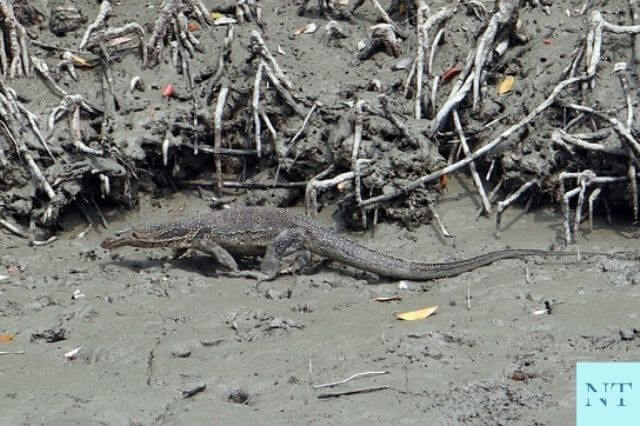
x: 255, y: 104
x: 592, y: 198
x: 28, y: 158
x: 434, y: 48
x: 386, y: 18
x: 503, y: 205
x: 506, y: 14
x: 353, y: 392
x: 474, y: 172
x: 311, y: 191
x: 493, y: 195
x: 294, y: 139
x: 286, y: 95
x: 579, y: 205
x: 443, y: 229
x: 419, y: 62
x: 27, y: 236
x: 217, y: 133
x: 105, y: 9
x: 352, y: 377
x: 355, y: 166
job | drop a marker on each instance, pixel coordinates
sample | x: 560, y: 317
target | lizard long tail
x: 344, y: 250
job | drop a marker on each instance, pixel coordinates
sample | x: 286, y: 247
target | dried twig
x: 217, y: 132
x: 352, y: 377
x: 353, y: 392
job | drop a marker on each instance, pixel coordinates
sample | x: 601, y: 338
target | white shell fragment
x: 72, y: 353
x: 620, y: 66
x: 307, y: 29
x: 225, y: 20
x: 403, y: 63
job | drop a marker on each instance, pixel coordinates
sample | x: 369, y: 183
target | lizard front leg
x: 286, y: 243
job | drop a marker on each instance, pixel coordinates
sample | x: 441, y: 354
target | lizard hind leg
x: 224, y: 258
x: 288, y: 242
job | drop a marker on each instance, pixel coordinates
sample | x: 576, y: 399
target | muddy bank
x: 150, y: 327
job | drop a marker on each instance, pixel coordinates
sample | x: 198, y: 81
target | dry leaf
x: 506, y: 84
x: 449, y: 74
x: 192, y: 26
x: 6, y: 338
x: 417, y: 315
x: 386, y: 299
x: 119, y: 40
x: 216, y: 15
x: 77, y: 60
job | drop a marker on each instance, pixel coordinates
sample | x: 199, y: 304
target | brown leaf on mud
x: 519, y: 376
x: 506, y: 85
x: 119, y: 40
x: 7, y: 338
x: 193, y: 26
x: 416, y: 315
x: 449, y: 74
x: 80, y: 61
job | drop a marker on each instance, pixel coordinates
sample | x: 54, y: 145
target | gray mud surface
x: 150, y: 327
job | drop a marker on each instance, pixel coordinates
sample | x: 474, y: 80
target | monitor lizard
x: 278, y: 232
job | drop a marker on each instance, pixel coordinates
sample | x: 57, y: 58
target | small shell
x: 72, y: 353
x: 307, y: 29
x: 403, y: 63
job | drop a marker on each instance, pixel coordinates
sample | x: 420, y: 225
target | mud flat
x: 176, y: 107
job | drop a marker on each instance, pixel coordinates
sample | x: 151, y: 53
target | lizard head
x: 125, y: 237
x: 159, y: 235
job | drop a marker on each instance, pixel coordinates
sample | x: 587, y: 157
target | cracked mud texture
x: 151, y: 327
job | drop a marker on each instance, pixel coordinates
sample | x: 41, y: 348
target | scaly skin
x: 251, y: 231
